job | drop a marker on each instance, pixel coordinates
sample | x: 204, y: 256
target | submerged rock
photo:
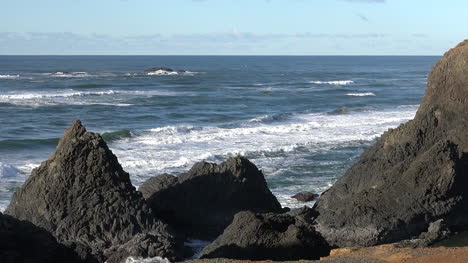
x: 414, y: 175
x: 253, y: 236
x: 203, y: 201
x: 82, y: 194
x: 305, y: 196
x: 22, y: 241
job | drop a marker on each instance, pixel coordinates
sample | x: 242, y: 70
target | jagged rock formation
x: 203, y: 201
x: 414, y: 175
x: 251, y: 236
x: 82, y: 194
x: 21, y: 241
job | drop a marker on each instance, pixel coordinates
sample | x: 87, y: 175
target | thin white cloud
x: 229, y: 42
x: 366, y: 1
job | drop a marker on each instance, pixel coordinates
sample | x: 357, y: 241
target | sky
x: 231, y: 27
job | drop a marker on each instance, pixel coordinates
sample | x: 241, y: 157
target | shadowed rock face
x: 82, y: 194
x: 21, y: 241
x: 203, y: 201
x: 269, y: 236
x: 414, y: 175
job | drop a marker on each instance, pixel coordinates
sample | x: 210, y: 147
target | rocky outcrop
x: 413, y: 176
x: 253, y: 236
x: 436, y: 232
x: 82, y: 194
x: 163, y: 69
x: 203, y: 201
x: 21, y: 241
x: 305, y: 196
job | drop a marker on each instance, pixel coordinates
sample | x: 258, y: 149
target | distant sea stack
x: 203, y: 201
x: 414, y: 175
x: 162, y: 71
x: 81, y: 194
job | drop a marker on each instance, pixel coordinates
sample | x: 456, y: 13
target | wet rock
x: 82, y: 194
x: 163, y: 69
x: 414, y: 175
x: 22, y: 241
x: 254, y: 236
x: 305, y: 196
x: 203, y: 201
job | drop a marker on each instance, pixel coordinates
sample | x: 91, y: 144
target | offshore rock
x: 22, y: 241
x: 162, y: 70
x: 305, y: 196
x: 414, y: 175
x: 203, y: 201
x: 82, y: 194
x: 254, y: 236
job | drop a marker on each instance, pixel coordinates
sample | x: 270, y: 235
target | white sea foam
x: 69, y: 74
x: 197, y: 246
x: 334, y: 82
x: 9, y: 76
x: 72, y: 97
x: 42, y: 95
x: 8, y: 171
x: 269, y: 118
x: 161, y: 72
x: 363, y: 94
x: 176, y: 148
x: 147, y: 260
x: 79, y: 74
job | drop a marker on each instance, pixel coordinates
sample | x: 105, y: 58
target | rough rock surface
x: 254, y: 236
x: 22, y: 241
x: 436, y: 232
x: 305, y: 196
x: 82, y: 194
x: 163, y: 69
x: 414, y: 175
x: 203, y: 201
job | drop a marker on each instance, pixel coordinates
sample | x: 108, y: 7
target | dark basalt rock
x: 414, y: 175
x: 253, y: 236
x: 203, y: 201
x: 82, y: 194
x: 163, y: 69
x: 305, y: 196
x: 436, y: 232
x: 22, y: 241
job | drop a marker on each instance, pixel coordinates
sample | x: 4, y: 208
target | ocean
x: 303, y: 120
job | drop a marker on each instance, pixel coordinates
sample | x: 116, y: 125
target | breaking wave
x: 334, y: 82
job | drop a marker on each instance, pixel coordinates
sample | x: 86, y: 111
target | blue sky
x: 232, y: 27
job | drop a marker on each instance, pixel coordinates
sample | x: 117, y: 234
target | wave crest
x: 361, y: 94
x: 334, y: 82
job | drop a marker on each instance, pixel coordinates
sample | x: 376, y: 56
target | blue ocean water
x: 302, y: 120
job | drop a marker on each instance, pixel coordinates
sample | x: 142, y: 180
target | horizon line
x: 222, y: 55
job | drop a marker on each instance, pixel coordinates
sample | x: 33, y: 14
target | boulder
x: 414, y: 175
x: 254, y: 236
x: 22, y: 241
x: 305, y: 196
x: 436, y: 232
x: 82, y: 194
x: 203, y: 201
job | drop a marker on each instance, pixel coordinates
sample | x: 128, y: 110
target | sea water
x: 302, y: 120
